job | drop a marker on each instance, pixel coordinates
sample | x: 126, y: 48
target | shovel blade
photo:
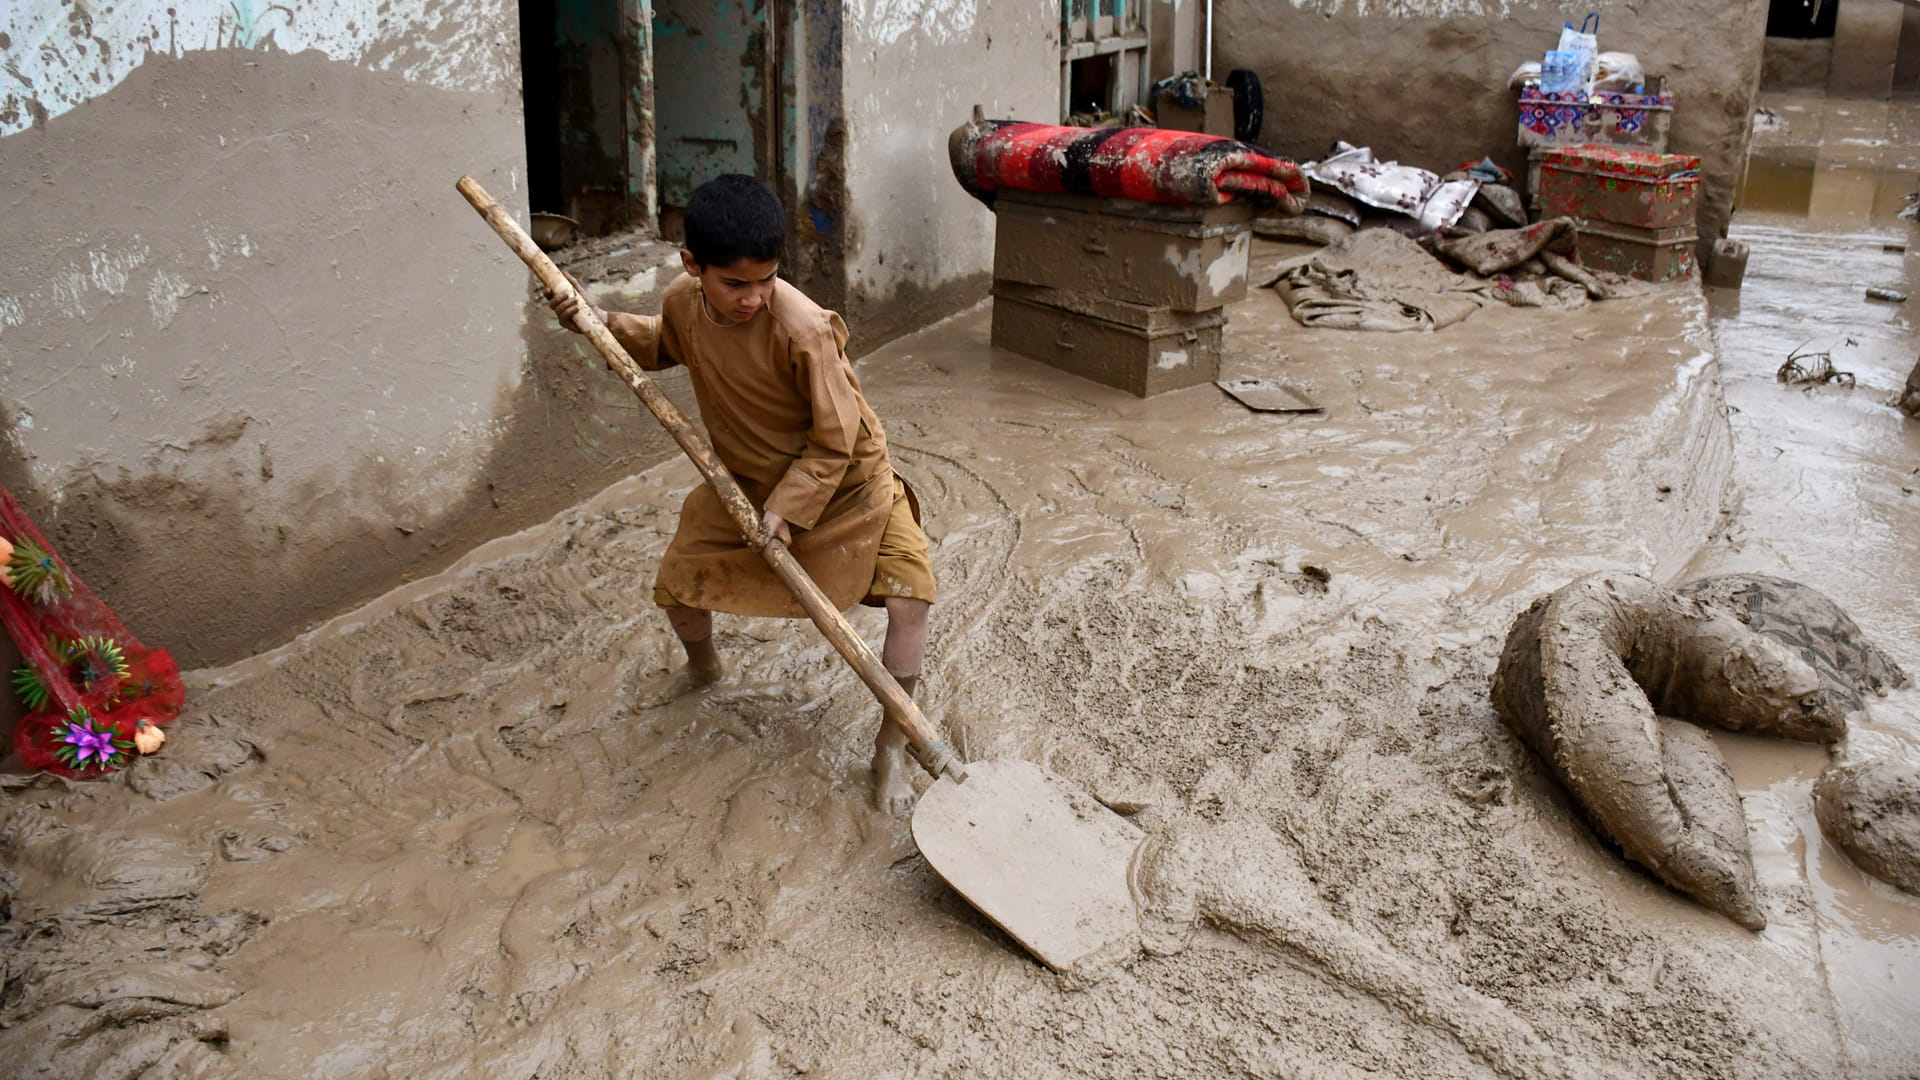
x: 1042, y: 859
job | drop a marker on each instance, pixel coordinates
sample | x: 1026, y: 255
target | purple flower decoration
x: 84, y: 746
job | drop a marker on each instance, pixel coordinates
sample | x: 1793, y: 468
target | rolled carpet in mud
x: 1153, y: 165
x: 1868, y: 804
x: 1598, y: 678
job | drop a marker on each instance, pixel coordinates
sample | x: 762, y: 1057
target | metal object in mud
x: 553, y: 231
x: 1892, y: 296
x: 1268, y: 395
x: 1046, y: 863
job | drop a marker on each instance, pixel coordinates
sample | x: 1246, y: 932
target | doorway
x: 574, y: 64
x: 631, y: 104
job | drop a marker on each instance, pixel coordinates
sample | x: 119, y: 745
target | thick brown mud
x: 436, y: 838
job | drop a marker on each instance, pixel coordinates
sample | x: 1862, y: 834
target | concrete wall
x: 916, y: 246
x: 258, y: 360
x: 1424, y: 81
x: 1866, y: 40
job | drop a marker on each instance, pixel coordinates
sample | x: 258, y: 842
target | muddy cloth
x: 785, y: 414
x: 1402, y: 189
x: 1380, y: 279
x: 1153, y: 165
x: 1490, y: 253
x: 1377, y: 279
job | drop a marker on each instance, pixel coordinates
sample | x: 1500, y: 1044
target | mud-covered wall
x: 1425, y: 81
x: 258, y: 360
x: 916, y: 246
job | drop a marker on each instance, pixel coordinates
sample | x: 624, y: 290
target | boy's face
x: 737, y: 291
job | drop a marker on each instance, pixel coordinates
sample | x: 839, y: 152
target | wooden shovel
x: 1046, y: 862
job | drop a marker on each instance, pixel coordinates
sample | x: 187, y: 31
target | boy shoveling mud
x: 785, y: 414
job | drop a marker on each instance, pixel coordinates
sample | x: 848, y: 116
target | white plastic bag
x: 1618, y: 72
x: 1585, y: 43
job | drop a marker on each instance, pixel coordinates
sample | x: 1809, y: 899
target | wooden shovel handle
x: 932, y: 752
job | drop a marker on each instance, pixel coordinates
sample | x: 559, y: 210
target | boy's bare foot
x: 892, y: 771
x: 703, y: 670
x: 688, y: 680
x: 892, y: 778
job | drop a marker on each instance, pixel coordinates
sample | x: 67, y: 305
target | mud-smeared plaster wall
x: 1424, y: 81
x: 258, y: 361
x: 916, y: 245
x: 58, y: 54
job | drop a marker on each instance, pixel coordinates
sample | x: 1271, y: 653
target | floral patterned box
x: 1604, y: 118
x: 1641, y: 188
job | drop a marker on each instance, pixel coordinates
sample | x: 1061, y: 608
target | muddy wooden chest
x: 1125, y: 293
x: 1179, y: 257
x: 1133, y: 347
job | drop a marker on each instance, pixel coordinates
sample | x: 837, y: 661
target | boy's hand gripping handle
x: 932, y: 752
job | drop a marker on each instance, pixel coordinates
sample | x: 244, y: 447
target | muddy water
x: 436, y: 838
x: 1828, y: 481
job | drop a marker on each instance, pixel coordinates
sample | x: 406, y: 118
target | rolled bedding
x: 1155, y: 165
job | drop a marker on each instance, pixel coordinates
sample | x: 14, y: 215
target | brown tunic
x: 785, y: 414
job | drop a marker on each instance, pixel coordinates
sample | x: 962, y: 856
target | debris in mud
x: 1868, y: 804
x: 1812, y: 368
x: 1268, y: 395
x: 1601, y: 677
x: 1892, y: 296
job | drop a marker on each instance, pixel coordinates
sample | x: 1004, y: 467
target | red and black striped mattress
x: 1154, y: 165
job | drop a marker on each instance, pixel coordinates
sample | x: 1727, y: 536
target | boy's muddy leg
x: 694, y: 628
x: 903, y: 652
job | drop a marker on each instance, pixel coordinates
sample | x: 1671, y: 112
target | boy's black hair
x: 734, y: 217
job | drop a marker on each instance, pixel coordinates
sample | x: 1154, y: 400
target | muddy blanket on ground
x: 1378, y: 279
x: 1153, y: 165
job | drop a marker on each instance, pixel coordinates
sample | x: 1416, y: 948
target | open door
x: 712, y: 80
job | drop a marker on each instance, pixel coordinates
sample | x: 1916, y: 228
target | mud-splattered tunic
x: 784, y: 411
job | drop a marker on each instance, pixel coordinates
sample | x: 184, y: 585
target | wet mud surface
x: 1828, y: 494
x: 436, y: 838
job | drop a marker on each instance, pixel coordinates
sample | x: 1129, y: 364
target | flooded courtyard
x: 436, y: 837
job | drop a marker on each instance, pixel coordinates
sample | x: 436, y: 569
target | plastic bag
x: 1584, y: 43
x: 1618, y: 73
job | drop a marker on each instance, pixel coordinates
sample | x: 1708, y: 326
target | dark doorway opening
x: 1802, y: 18
x: 541, y: 105
x: 575, y: 87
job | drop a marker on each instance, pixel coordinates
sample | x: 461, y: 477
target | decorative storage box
x: 1140, y: 349
x: 1603, y: 118
x: 1188, y: 258
x: 1648, y: 254
x: 1642, y: 188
